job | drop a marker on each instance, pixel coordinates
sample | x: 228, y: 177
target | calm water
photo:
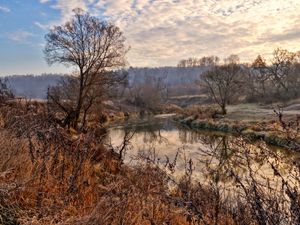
x: 214, y: 157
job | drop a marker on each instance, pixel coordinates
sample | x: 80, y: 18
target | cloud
x: 19, y: 36
x: 4, y: 9
x: 162, y: 32
x: 44, y: 1
x: 67, y: 6
x: 289, y: 35
x: 42, y: 26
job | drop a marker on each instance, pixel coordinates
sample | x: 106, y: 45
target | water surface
x: 213, y: 157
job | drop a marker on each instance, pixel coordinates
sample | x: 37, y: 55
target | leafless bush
x: 5, y: 92
x: 202, y: 111
x: 150, y: 95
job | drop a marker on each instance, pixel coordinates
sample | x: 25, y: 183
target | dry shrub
x: 201, y: 111
x: 134, y: 198
x: 172, y: 108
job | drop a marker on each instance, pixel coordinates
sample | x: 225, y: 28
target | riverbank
x: 269, y: 131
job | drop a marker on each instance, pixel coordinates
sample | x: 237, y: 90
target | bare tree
x: 209, y: 61
x: 95, y: 48
x: 282, y: 67
x: 223, y: 82
x: 232, y: 59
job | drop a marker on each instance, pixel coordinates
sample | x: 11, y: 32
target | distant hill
x: 30, y: 86
x: 35, y: 86
x: 171, y: 75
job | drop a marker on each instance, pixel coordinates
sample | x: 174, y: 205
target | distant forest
x: 32, y: 86
x: 175, y: 78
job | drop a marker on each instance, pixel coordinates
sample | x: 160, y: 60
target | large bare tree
x: 224, y: 82
x: 95, y: 49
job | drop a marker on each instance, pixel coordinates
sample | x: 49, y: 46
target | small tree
x: 95, y: 48
x: 223, y: 82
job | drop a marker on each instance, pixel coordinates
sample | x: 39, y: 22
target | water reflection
x: 214, y: 155
x: 261, y: 178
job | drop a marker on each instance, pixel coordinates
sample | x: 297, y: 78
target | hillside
x: 31, y: 86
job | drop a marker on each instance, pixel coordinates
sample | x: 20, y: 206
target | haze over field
x: 35, y: 87
x: 159, y: 32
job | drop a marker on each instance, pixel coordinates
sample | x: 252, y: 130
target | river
x: 210, y: 154
x: 234, y: 168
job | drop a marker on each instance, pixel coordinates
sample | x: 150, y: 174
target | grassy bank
x: 266, y: 131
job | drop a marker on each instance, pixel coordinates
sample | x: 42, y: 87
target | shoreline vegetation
x: 265, y: 128
x: 264, y: 131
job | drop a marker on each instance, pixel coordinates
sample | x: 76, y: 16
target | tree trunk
x: 79, y: 102
x: 224, y: 111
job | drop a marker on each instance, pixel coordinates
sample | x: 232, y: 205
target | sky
x: 159, y: 32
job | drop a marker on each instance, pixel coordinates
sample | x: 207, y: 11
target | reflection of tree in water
x: 151, y: 131
x: 251, y: 182
x: 222, y: 152
x: 192, y: 137
x: 265, y: 181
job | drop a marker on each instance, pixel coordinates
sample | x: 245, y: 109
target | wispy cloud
x: 4, y: 9
x: 19, y: 36
x: 44, y: 1
x: 162, y: 32
x: 42, y: 26
x: 67, y: 6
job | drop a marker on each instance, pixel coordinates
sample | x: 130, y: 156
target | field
x: 256, y: 112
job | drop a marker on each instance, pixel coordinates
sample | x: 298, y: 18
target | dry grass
x: 201, y: 111
x: 51, y: 177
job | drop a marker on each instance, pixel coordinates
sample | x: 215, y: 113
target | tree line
x: 260, y: 81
